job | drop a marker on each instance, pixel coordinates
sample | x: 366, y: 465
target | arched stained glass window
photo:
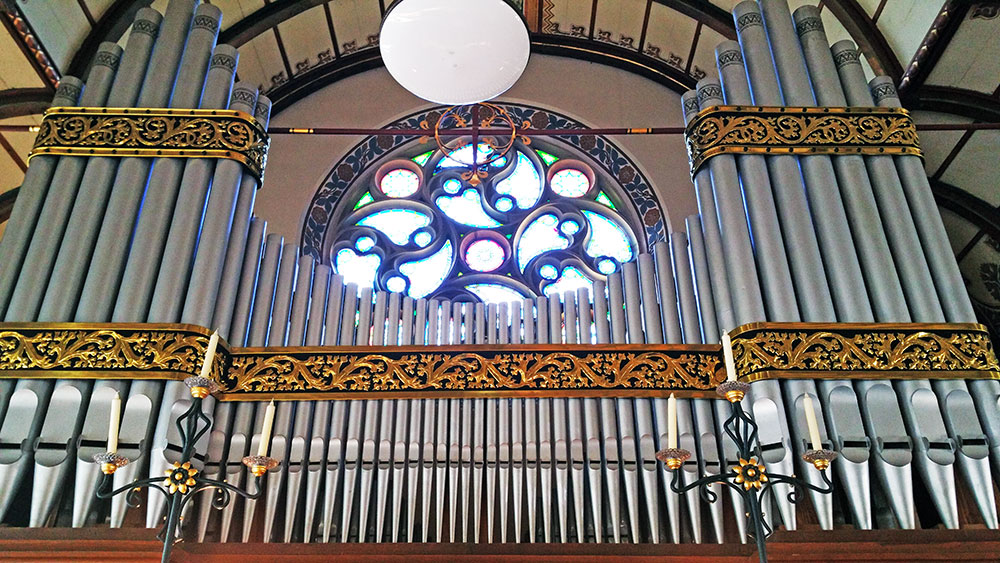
x: 538, y: 223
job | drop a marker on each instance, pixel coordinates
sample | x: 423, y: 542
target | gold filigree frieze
x: 863, y: 351
x: 799, y: 130
x: 104, y: 351
x: 118, y: 132
x: 454, y: 371
x: 762, y: 351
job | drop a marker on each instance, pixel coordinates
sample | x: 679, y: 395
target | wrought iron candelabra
x: 749, y: 478
x: 183, y: 480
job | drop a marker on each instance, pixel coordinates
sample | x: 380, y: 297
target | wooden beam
x: 111, y: 27
x: 30, y: 45
x: 12, y: 153
x: 705, y: 12
x: 957, y: 101
x: 935, y: 42
x: 102, y: 544
x: 263, y: 19
x: 7, y: 199
x: 867, y: 35
x: 546, y: 44
x: 24, y: 101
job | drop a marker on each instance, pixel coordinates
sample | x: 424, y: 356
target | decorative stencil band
x: 762, y: 351
x: 799, y: 130
x: 807, y: 25
x: 846, y: 57
x: 188, y: 133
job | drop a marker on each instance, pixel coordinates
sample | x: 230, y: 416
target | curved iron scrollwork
x: 183, y: 481
x: 747, y: 475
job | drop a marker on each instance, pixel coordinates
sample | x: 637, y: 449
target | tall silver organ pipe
x: 778, y: 238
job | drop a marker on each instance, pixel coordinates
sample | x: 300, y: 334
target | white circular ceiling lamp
x: 454, y: 52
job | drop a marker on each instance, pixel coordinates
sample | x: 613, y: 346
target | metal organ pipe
x: 485, y: 470
x: 100, y: 288
x: 45, y: 417
x: 31, y: 196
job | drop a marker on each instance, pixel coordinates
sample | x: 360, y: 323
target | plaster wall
x: 594, y: 94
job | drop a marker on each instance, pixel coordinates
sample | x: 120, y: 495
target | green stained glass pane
x: 365, y: 200
x: 548, y: 158
x: 422, y: 159
x: 603, y: 198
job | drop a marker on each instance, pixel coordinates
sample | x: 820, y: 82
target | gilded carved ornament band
x: 762, y: 351
x: 863, y: 351
x: 142, y: 132
x: 799, y: 130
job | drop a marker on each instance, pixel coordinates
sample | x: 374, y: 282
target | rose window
x: 534, y: 224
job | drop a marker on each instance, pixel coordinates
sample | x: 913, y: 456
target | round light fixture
x: 436, y: 50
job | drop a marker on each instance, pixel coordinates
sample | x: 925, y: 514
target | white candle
x: 265, y: 432
x: 807, y: 405
x: 213, y: 343
x: 727, y: 352
x: 115, y: 423
x: 672, y: 421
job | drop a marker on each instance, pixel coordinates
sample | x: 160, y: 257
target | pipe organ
x: 818, y: 237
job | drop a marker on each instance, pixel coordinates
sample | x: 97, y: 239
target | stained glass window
x: 498, y: 233
x: 399, y: 183
x: 494, y: 293
x: 484, y: 255
x: 541, y: 236
x: 427, y: 274
x: 364, y: 200
x: 524, y: 183
x: 547, y: 158
x: 422, y: 159
x: 570, y: 182
x: 466, y: 209
x: 396, y: 224
x: 607, y: 238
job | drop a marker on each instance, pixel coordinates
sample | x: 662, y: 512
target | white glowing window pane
x: 399, y: 183
x: 548, y: 272
x: 607, y: 267
x: 356, y: 269
x: 427, y: 274
x: 571, y: 279
x: 452, y: 186
x: 463, y: 157
x: 570, y: 227
x: 495, y: 293
x: 422, y: 239
x: 397, y: 224
x: 504, y: 204
x: 395, y: 284
x: 364, y: 244
x: 607, y: 238
x: 524, y: 183
x: 540, y: 236
x: 570, y: 182
x: 484, y: 255
x: 467, y: 209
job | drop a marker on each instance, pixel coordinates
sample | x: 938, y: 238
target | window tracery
x: 536, y: 225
